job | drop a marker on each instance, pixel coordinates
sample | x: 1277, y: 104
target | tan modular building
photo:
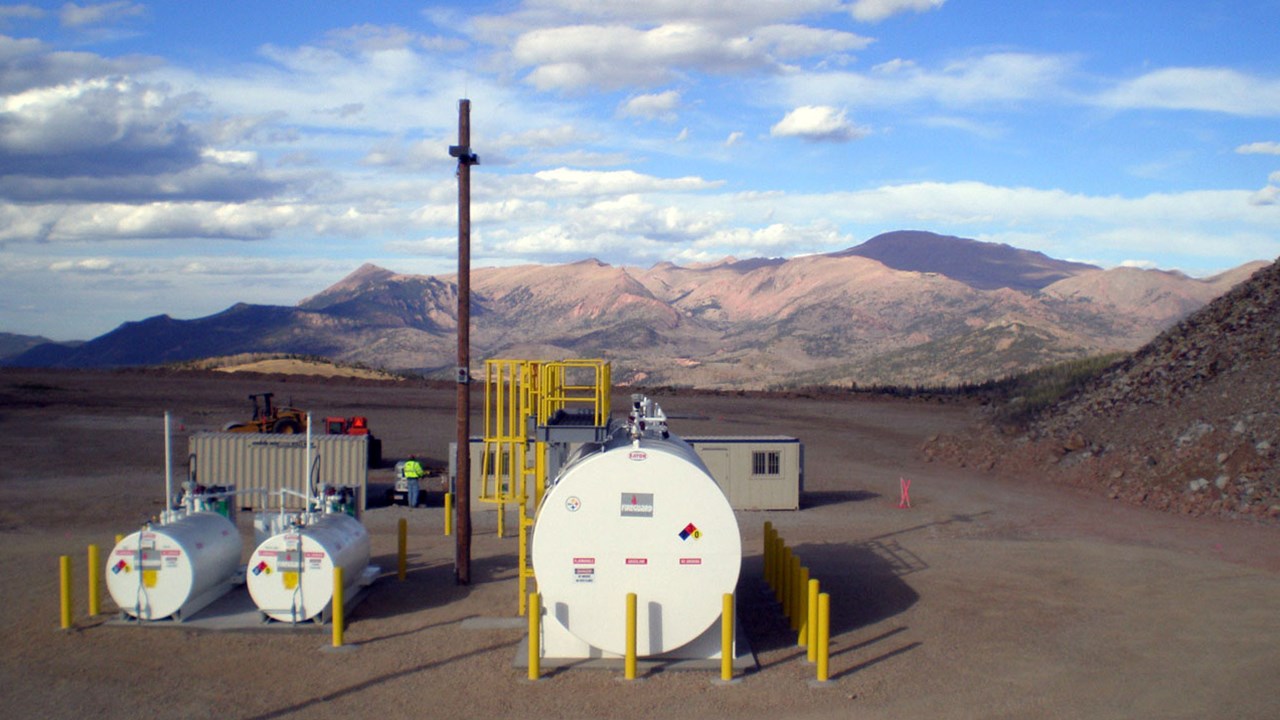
x: 261, y: 465
x: 755, y: 473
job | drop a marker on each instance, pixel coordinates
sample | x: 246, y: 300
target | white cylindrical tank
x: 290, y: 575
x: 642, y: 516
x: 170, y: 570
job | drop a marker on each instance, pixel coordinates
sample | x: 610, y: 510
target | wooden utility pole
x: 466, y: 158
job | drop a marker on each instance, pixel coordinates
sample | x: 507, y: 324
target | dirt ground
x: 992, y: 597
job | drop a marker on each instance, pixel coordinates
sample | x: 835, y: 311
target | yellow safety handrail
x: 519, y: 394
x: 580, y: 384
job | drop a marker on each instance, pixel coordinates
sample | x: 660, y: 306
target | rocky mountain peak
x: 983, y: 265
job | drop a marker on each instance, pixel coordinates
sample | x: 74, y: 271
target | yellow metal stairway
x: 530, y: 405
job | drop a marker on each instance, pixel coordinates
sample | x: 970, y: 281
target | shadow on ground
x: 865, y: 581
x: 834, y: 497
x: 427, y: 585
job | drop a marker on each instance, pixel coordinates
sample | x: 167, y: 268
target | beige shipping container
x: 261, y: 465
x: 755, y: 472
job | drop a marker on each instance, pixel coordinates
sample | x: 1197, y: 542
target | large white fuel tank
x: 636, y: 516
x: 290, y: 575
x: 173, y: 570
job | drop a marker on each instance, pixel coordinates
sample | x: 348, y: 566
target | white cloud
x: 817, y: 123
x: 987, y: 131
x: 1141, y: 264
x: 653, y: 106
x: 312, y: 90
x: 1260, y: 148
x: 877, y: 10
x: 412, y: 157
x: 116, y: 138
x: 27, y: 63
x: 73, y: 15
x: 500, y: 211
x: 773, y: 240
x: 577, y: 158
x: 572, y: 57
x: 98, y: 124
x: 733, y: 139
x: 85, y: 265
x: 612, y: 56
x: 1220, y: 90
x: 230, y: 157
x: 9, y: 13
x: 968, y: 82
x: 1269, y: 195
x: 180, y: 220
x: 787, y: 42
x: 567, y: 182
x: 540, y: 137
x: 730, y: 15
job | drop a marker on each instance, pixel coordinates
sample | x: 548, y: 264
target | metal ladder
x: 522, y: 400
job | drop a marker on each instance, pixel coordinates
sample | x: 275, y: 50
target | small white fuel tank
x: 173, y: 570
x: 636, y: 515
x: 290, y: 575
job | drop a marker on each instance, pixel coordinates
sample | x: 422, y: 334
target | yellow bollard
x: 64, y: 577
x: 404, y: 548
x: 535, y: 635
x: 726, y: 637
x: 779, y: 546
x: 95, y: 593
x: 768, y: 552
x: 812, y: 624
x: 824, y: 635
x: 629, y: 669
x: 784, y: 581
x: 793, y: 588
x: 337, y: 606
x: 802, y: 608
x: 448, y: 514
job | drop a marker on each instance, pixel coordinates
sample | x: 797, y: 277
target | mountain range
x: 906, y: 307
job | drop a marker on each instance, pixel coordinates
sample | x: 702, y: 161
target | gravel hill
x: 1189, y: 423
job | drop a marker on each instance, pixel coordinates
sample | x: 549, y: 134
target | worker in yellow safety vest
x: 413, y: 469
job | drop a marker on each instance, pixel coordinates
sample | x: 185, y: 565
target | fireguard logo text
x: 637, y: 505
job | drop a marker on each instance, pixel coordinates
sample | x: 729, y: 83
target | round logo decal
x: 572, y: 504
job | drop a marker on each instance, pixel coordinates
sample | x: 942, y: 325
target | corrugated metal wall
x: 260, y: 464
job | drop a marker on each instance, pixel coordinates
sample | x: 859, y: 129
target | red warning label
x: 637, y: 561
x: 584, y: 561
x: 690, y: 561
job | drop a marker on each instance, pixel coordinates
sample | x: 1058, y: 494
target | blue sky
x: 177, y: 157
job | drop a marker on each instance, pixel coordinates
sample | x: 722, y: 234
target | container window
x: 766, y: 462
